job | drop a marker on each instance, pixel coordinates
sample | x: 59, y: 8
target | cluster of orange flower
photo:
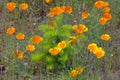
x: 35, y: 40
x: 79, y: 30
x: 98, y: 51
x: 11, y: 31
x: 76, y: 71
x: 20, y: 36
x: 18, y: 54
x: 54, y: 51
x: 107, y: 15
x: 12, y: 5
x: 59, y: 10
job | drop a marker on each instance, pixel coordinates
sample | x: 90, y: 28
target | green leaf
x: 65, y: 30
x: 65, y: 34
x: 49, y: 34
x: 66, y: 27
x: 45, y: 45
x: 49, y: 59
x: 63, y: 58
x: 69, y: 49
x: 50, y: 66
x: 58, y: 20
x: 37, y: 56
x: 44, y: 27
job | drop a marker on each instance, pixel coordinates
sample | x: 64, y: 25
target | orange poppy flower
x: 54, y: 51
x: 102, y: 21
x: 48, y: 1
x: 36, y: 39
x: 82, y: 28
x: 24, y: 6
x: 76, y: 71
x: 30, y: 48
x: 99, y: 53
x: 58, y: 10
x: 63, y: 8
x: 62, y: 44
x: 85, y: 15
x: 105, y: 37
x: 73, y: 73
x: 20, y: 36
x: 75, y: 27
x: 18, y: 54
x: 105, y: 4
x: 11, y: 30
x: 106, y: 10
x: 99, y: 4
x: 108, y: 16
x: 68, y: 9
x: 92, y: 47
x: 11, y: 6
x: 55, y: 11
x: 51, y: 14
